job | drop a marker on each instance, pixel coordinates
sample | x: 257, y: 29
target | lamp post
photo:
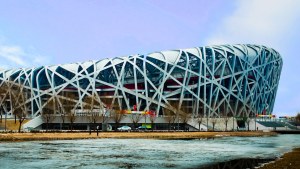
x: 255, y: 120
x: 178, y: 119
x: 62, y: 116
x: 60, y: 122
x: 206, y: 121
x: 5, y: 121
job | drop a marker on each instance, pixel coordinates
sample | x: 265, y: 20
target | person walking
x: 97, y: 130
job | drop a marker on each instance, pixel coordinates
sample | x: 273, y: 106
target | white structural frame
x: 231, y: 80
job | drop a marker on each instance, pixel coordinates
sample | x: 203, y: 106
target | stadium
x: 175, y: 88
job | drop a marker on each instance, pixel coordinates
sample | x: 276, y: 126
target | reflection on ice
x: 141, y: 153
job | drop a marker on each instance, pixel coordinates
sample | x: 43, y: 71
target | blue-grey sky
x: 47, y: 32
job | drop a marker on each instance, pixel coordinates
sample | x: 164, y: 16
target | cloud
x: 15, y: 56
x: 273, y: 23
x: 257, y: 21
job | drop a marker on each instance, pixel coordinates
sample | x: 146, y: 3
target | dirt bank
x: 131, y: 135
x: 290, y: 160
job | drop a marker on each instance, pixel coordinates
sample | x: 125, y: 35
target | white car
x: 124, y: 128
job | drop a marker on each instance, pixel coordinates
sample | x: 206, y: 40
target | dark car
x: 142, y: 128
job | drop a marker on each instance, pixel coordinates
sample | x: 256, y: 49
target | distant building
x: 213, y: 81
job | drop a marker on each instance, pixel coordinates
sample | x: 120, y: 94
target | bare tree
x: 213, y: 121
x: 117, y: 116
x: 135, y: 118
x: 68, y: 107
x: 297, y: 119
x: 3, y: 96
x: 47, y: 117
x: 104, y: 117
x: 225, y: 114
x: 185, y: 117
x: 173, y: 112
x: 248, y: 120
x: 226, y: 120
x: 199, y: 119
x: 18, y: 103
x: 72, y: 118
x: 60, y: 103
x: 103, y: 113
x: 14, y: 94
x: 62, y: 116
x: 169, y: 116
x: 183, y: 113
x: 48, y: 112
x: 1, y: 114
x: 152, y: 118
x: 89, y: 103
x: 94, y: 118
x: 21, y: 116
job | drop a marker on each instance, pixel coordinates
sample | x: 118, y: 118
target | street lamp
x: 2, y: 111
x: 5, y: 121
x: 178, y: 119
x: 255, y: 116
x: 62, y: 116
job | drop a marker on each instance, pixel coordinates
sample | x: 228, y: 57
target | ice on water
x: 141, y: 153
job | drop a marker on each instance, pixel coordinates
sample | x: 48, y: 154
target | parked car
x: 141, y: 128
x: 124, y: 128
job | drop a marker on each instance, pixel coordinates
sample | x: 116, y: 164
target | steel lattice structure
x: 235, y: 80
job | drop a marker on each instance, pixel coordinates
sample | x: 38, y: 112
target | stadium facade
x: 213, y: 81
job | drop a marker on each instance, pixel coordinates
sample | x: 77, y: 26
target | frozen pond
x: 141, y: 153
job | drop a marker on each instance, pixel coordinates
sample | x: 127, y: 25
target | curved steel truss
x: 231, y: 80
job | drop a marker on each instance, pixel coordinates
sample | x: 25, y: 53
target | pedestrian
x: 97, y: 130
